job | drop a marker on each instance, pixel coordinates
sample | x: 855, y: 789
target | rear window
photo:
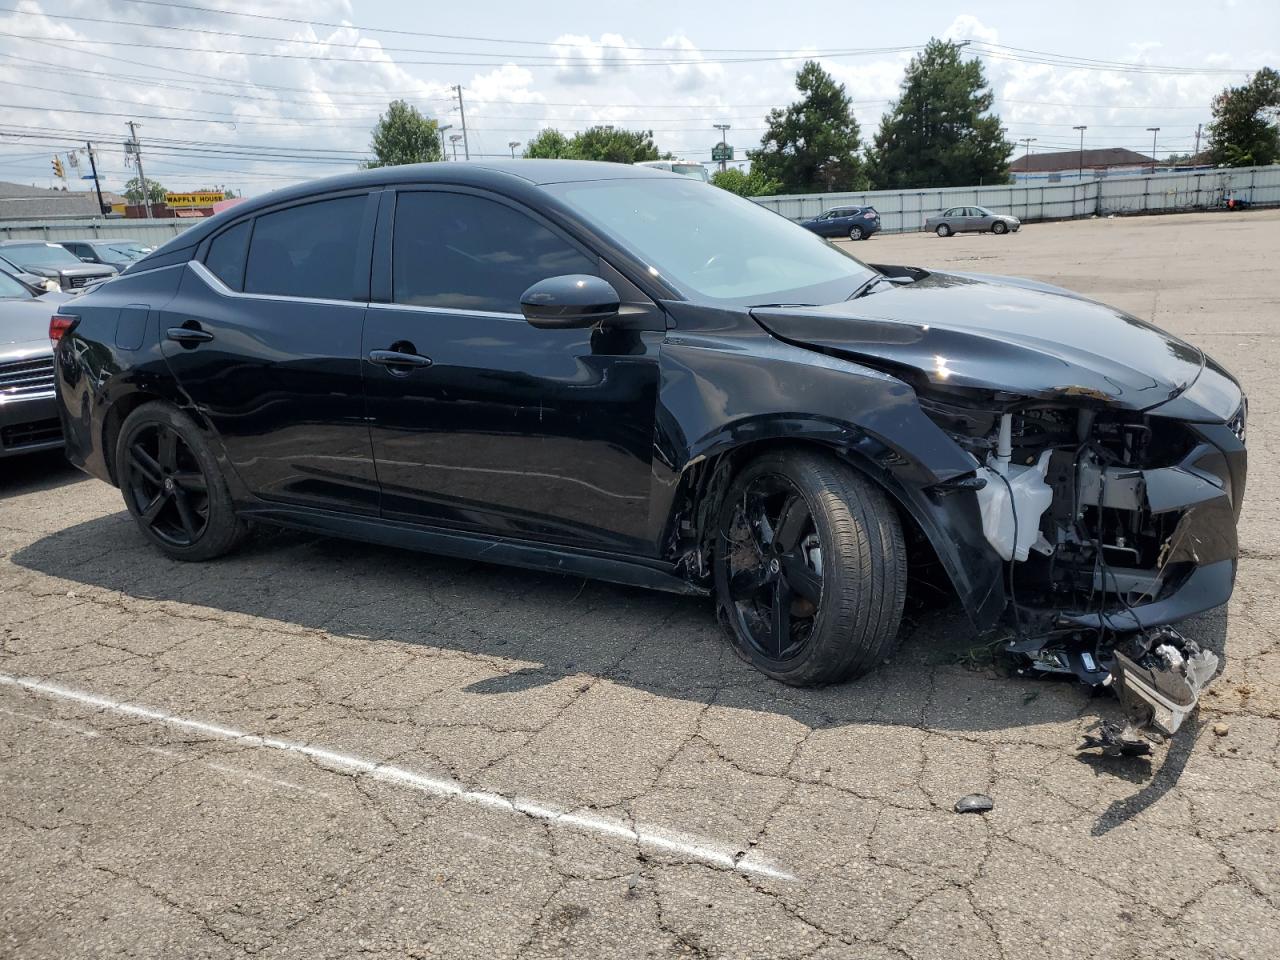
x: 307, y: 251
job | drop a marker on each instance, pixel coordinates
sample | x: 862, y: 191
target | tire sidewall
x: 1000, y: 227
x: 855, y: 233
x: 943, y: 230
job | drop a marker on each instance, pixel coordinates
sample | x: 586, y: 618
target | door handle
x: 394, y: 358
x: 188, y: 335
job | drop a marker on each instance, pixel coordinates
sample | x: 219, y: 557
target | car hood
x: 1003, y: 334
x: 99, y: 270
x: 26, y: 321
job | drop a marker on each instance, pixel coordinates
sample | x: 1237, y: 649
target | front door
x: 490, y: 424
x: 264, y: 337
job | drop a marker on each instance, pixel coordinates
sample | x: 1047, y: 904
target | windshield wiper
x: 758, y: 306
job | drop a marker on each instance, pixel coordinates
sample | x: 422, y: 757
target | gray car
x: 971, y: 220
x: 28, y: 412
x: 52, y: 261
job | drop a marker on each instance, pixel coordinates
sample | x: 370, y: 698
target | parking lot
x: 315, y: 748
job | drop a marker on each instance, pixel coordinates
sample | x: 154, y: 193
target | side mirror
x: 575, y: 300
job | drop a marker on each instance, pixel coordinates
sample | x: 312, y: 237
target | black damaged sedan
x: 615, y: 372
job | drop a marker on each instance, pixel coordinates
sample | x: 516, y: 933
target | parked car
x: 116, y: 254
x: 856, y: 223
x: 609, y: 371
x: 971, y: 220
x: 28, y: 408
x: 37, y: 285
x: 53, y: 261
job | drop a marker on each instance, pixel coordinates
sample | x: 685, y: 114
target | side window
x: 307, y: 251
x: 469, y: 253
x: 225, y: 258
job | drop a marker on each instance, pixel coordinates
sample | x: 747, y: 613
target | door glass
x: 225, y: 259
x: 466, y: 252
x: 307, y: 251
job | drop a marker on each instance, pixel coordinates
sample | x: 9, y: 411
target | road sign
x: 721, y: 152
x: 205, y: 198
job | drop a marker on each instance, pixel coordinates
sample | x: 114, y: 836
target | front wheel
x: 172, y: 485
x: 810, y: 569
x: 999, y: 227
x: 943, y: 230
x: 855, y: 233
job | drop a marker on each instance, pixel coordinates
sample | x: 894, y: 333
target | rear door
x: 264, y: 337
x: 543, y: 435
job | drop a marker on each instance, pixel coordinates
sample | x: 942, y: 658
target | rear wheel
x: 172, y: 485
x: 855, y: 233
x: 999, y: 227
x: 810, y: 569
x: 944, y: 230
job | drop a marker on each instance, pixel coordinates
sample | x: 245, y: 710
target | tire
x: 943, y: 230
x: 858, y: 573
x: 172, y: 485
x: 999, y: 227
x: 855, y: 233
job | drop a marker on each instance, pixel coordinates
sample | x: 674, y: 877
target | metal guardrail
x: 903, y: 211
x: 148, y: 232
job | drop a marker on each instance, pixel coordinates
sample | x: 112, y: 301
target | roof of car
x: 473, y: 173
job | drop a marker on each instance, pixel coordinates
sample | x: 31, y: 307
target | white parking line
x: 707, y: 851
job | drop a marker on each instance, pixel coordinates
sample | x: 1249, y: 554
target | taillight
x: 60, y: 324
x: 869, y: 216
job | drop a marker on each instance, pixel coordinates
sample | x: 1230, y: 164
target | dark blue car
x: 856, y: 223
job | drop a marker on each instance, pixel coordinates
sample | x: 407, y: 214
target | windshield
x: 11, y: 289
x: 42, y: 255
x: 127, y: 249
x: 713, y: 245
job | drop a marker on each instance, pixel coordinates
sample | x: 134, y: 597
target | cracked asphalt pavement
x: 323, y: 749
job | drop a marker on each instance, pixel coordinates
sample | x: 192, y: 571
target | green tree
x: 939, y: 133
x: 549, y: 144
x: 133, y: 191
x: 812, y: 145
x: 1243, y: 132
x: 613, y: 144
x: 753, y: 184
x: 403, y: 135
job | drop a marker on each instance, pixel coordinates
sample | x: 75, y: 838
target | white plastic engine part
x: 1025, y: 496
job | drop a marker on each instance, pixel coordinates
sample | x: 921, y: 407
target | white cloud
x: 693, y: 73
x: 584, y: 60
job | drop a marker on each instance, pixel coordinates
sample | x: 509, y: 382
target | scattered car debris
x: 1221, y: 729
x: 975, y: 803
x: 1116, y: 740
x: 1158, y: 677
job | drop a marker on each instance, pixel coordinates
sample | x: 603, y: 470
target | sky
x: 290, y: 92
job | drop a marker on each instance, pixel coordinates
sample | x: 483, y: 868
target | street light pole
x: 1082, y: 128
x: 513, y: 144
x: 1153, y: 131
x: 722, y: 127
x: 444, y: 154
x: 454, y: 138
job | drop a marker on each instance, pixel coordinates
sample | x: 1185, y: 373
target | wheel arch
x: 123, y: 404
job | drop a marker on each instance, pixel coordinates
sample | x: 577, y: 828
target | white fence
x: 906, y: 210
x: 150, y: 233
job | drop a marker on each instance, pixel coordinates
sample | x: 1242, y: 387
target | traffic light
x: 58, y: 170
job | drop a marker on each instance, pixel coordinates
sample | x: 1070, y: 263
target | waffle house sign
x: 191, y: 201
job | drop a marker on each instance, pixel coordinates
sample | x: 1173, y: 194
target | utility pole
x: 93, y: 168
x: 513, y: 144
x: 444, y: 153
x: 1195, y: 157
x: 724, y: 151
x: 462, y: 114
x: 454, y: 138
x: 1027, y: 160
x: 1082, y: 128
x: 142, y: 177
x: 1153, y: 131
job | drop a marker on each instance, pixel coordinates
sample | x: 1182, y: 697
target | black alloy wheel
x: 172, y: 485
x: 167, y: 486
x: 774, y: 559
x: 810, y: 568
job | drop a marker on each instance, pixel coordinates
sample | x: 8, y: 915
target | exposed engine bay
x: 1101, y: 516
